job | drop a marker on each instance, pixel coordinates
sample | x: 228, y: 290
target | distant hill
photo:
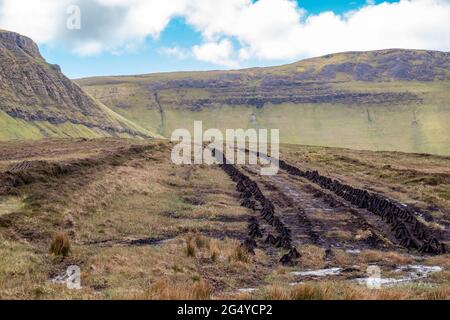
x: 38, y: 101
x: 380, y: 100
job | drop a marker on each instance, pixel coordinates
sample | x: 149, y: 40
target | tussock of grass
x: 310, y: 292
x: 239, y: 254
x: 60, y: 245
x: 391, y: 257
x: 191, y: 248
x: 203, y: 247
x: 213, y: 251
x: 346, y: 291
x: 201, y: 241
x: 276, y: 293
x: 441, y: 293
x: 165, y: 290
x: 312, y: 256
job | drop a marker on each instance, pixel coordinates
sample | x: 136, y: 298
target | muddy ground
x: 141, y: 227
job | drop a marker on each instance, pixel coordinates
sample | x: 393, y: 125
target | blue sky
x: 119, y: 37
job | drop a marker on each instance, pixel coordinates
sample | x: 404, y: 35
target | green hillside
x: 37, y: 101
x: 379, y: 100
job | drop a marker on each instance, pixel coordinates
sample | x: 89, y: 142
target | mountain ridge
x: 85, y: 80
x: 373, y: 93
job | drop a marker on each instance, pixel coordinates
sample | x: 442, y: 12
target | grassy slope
x: 412, y: 127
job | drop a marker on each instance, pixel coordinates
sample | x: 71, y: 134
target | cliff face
x: 35, y: 91
x: 18, y: 44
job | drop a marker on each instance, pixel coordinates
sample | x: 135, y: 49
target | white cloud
x: 220, y: 53
x: 148, y: 17
x: 89, y: 48
x: 176, y: 52
x: 36, y: 19
x: 263, y: 29
x: 279, y: 29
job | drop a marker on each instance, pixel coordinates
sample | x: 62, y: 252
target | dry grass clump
x: 239, y: 254
x: 306, y: 291
x: 214, y: 252
x: 340, y: 234
x: 363, y: 234
x: 165, y: 290
x: 314, y: 291
x: 191, y: 248
x: 386, y: 257
x: 440, y: 293
x: 346, y: 291
x: 201, y: 241
x: 276, y: 293
x: 60, y: 245
x: 201, y: 290
x: 343, y: 258
x: 312, y: 256
x: 203, y: 246
x: 440, y: 260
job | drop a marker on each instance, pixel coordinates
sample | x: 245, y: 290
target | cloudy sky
x: 110, y: 37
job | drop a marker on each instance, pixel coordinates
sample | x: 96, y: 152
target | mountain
x: 37, y: 100
x: 380, y: 100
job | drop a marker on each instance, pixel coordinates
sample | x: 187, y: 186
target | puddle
x: 353, y: 251
x: 247, y: 290
x: 129, y: 242
x: 148, y: 242
x: 318, y: 273
x: 71, y: 278
x: 419, y: 271
x: 415, y: 272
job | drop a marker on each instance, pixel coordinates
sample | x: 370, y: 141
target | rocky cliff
x: 38, y: 94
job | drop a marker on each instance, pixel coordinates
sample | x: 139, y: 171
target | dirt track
x: 305, y: 207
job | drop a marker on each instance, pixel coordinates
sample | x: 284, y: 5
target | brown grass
x: 310, y: 292
x: 191, y: 248
x: 165, y: 290
x: 440, y: 293
x: 60, y: 245
x: 345, y: 291
x: 213, y: 251
x: 276, y: 293
x: 386, y: 257
x: 340, y: 234
x: 343, y: 258
x: 312, y: 256
x: 239, y: 254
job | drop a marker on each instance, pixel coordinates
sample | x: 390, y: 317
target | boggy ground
x: 141, y: 227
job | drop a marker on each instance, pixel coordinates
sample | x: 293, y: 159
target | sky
x: 121, y: 37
